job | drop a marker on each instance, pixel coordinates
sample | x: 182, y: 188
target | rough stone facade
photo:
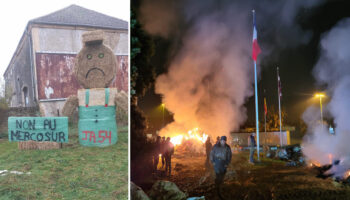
x: 19, y: 77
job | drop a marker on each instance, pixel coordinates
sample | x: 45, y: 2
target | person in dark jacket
x: 168, y: 152
x: 163, y: 149
x: 208, y: 147
x: 217, y: 140
x: 220, y: 156
x: 156, y: 152
x: 251, y: 145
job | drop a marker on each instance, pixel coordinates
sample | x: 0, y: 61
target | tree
x: 141, y: 78
x: 272, y: 119
x: 3, y: 100
x: 142, y: 49
x: 2, y: 88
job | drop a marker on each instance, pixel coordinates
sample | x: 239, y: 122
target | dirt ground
x: 269, y: 179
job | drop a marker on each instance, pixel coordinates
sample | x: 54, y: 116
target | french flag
x: 256, y: 49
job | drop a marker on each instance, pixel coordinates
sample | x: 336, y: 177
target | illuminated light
x: 320, y: 95
x: 160, y: 155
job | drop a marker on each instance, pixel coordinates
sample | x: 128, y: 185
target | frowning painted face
x: 95, y: 65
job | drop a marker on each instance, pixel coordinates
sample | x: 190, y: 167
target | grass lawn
x: 267, y: 179
x: 74, y: 172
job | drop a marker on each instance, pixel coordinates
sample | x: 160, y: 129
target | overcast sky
x: 15, y: 14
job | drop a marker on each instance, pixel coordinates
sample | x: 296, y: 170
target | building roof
x: 74, y: 15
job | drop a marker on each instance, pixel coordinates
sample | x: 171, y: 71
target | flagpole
x: 265, y: 109
x: 265, y: 123
x: 265, y: 133
x: 256, y: 103
x: 279, y: 104
x: 256, y: 113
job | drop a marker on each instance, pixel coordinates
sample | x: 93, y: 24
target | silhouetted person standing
x: 251, y: 145
x: 208, y: 147
x: 169, y: 151
x: 162, y: 146
x: 156, y: 152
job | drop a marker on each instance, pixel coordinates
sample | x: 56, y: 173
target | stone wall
x: 16, y: 112
x: 19, y: 77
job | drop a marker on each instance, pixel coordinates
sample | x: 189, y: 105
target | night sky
x: 295, y: 63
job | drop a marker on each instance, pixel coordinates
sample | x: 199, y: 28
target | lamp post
x: 320, y: 95
x: 163, y: 105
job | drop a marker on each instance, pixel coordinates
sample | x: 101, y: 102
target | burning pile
x: 337, y: 169
x: 193, y: 134
x: 192, y: 141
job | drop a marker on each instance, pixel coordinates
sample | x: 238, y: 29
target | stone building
x: 41, y: 69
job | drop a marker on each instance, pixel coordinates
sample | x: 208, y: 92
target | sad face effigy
x: 95, y: 69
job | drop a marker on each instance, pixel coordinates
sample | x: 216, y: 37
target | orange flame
x: 191, y: 134
x: 314, y: 163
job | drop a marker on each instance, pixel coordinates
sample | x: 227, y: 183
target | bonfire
x: 193, y: 141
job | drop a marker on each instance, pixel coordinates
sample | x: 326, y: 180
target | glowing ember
x: 191, y: 134
x: 312, y: 164
x: 347, y: 174
x: 330, y: 157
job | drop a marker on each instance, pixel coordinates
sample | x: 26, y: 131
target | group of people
x: 164, y: 149
x: 220, y: 155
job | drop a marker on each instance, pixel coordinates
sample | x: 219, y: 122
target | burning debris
x: 191, y: 141
x: 193, y: 134
x: 338, y: 170
x: 328, y: 152
x: 292, y: 154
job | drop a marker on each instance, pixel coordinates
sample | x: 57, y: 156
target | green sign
x: 41, y: 129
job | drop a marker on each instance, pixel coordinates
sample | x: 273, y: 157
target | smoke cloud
x: 212, y: 73
x: 332, y: 69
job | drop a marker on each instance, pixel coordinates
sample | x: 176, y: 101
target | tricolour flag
x: 256, y: 49
x: 265, y: 106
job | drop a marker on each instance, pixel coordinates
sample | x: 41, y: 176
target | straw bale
x: 70, y: 105
x: 93, y: 37
x: 95, y: 66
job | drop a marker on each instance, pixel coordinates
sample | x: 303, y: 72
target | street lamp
x: 163, y: 106
x: 320, y: 95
